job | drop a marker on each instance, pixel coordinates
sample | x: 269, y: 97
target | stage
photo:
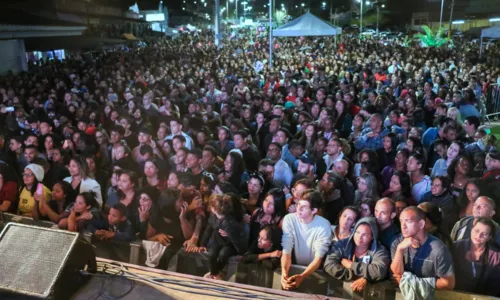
x: 137, y: 282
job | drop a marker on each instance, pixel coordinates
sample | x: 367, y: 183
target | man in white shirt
x: 308, y: 235
x: 283, y: 175
x: 176, y: 129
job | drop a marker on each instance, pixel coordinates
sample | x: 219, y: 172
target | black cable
x: 108, y: 278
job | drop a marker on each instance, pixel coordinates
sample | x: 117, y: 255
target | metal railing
x: 492, y: 102
x: 319, y: 283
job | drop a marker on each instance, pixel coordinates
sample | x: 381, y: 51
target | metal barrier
x: 197, y: 264
x: 492, y: 102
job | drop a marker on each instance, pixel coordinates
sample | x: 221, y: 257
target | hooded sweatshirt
x: 373, y: 266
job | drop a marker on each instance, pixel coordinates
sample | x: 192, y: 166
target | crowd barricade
x: 492, y: 102
x: 197, y: 264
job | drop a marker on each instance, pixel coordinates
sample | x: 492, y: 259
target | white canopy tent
x: 305, y: 25
x: 492, y: 32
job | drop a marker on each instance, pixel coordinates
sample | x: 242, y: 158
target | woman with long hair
x: 348, y: 216
x: 477, y: 260
x: 234, y: 169
x: 441, y: 165
x: 459, y: 172
x: 52, y: 210
x: 399, y: 187
x: 344, y: 120
x: 127, y: 195
x: 367, y: 188
x: 255, y: 193
x: 472, y: 190
x: 271, y: 212
x: 80, y: 180
x: 309, y: 137
x: 79, y: 214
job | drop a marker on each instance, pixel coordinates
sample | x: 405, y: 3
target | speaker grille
x: 31, y: 258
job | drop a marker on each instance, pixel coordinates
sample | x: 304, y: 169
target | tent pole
x: 270, y: 34
x: 481, y: 48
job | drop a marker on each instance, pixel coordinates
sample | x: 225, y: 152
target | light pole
x: 441, y: 14
x: 244, y: 8
x: 451, y: 18
x: 270, y: 34
x: 236, y: 12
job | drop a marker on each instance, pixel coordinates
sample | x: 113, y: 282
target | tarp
x: 492, y: 32
x: 307, y: 25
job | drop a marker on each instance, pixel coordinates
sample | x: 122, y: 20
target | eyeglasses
x: 27, y: 175
x: 273, y: 150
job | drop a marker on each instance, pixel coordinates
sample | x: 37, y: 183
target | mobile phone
x: 39, y: 189
x: 9, y: 109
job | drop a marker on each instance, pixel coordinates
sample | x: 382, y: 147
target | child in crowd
x: 116, y: 228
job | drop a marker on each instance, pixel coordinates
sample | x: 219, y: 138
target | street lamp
x: 361, y: 17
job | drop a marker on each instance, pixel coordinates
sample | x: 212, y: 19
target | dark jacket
x: 446, y: 204
x: 388, y: 235
x: 252, y: 256
x: 373, y: 270
x: 463, y: 227
x: 487, y: 275
x: 124, y: 232
x: 237, y: 234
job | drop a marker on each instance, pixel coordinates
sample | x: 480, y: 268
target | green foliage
x: 431, y: 39
x: 406, y: 41
x: 279, y: 17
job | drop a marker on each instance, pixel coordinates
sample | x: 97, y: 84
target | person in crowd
x: 148, y: 201
x: 441, y: 196
x: 116, y: 228
x: 8, y: 189
x: 224, y: 144
x: 400, y: 164
x: 80, y: 214
x: 484, y: 207
x: 477, y: 260
x: 227, y: 232
x: 421, y: 183
x: 441, y: 166
x: 272, y: 211
x: 127, y: 194
x: 359, y: 258
x: 234, y: 169
x: 255, y: 193
x: 385, y: 215
x: 80, y: 181
x: 173, y: 221
x: 373, y: 136
x: 283, y: 174
x: 333, y: 153
x: 347, y: 218
x: 419, y: 255
x: 32, y: 185
x: 298, y: 189
x: 399, y: 187
x: 465, y: 202
x: 459, y: 172
x: 433, y: 221
x: 176, y: 129
x: 153, y: 175
x: 367, y: 188
x: 52, y: 209
x: 308, y: 235
x: 251, y: 155
x: 266, y: 249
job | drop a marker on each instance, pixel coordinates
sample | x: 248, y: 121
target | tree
x: 431, y: 39
x: 279, y: 17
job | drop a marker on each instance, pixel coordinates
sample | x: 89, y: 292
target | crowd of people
x: 362, y: 159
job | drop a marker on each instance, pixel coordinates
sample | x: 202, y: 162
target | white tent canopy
x: 492, y: 32
x: 307, y: 25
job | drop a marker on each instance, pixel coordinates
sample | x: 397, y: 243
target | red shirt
x: 9, y: 193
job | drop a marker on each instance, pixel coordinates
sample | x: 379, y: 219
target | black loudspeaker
x: 42, y: 263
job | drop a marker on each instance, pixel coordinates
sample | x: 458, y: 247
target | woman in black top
x: 267, y: 248
x: 272, y: 212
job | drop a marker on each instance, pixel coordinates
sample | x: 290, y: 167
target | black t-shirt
x: 166, y: 220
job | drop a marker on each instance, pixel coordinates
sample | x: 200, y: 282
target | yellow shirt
x: 27, y: 201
